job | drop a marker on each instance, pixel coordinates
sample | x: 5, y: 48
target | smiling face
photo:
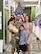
x: 18, y: 17
x: 21, y: 28
x: 27, y: 18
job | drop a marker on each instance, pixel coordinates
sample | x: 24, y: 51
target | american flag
x: 20, y: 12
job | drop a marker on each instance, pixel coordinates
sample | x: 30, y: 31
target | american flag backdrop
x: 20, y: 12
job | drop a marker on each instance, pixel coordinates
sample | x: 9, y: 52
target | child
x: 22, y: 35
x: 12, y: 25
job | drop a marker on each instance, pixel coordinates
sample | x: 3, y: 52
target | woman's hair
x: 11, y: 19
x: 29, y: 19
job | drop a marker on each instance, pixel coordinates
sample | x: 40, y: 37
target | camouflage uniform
x: 14, y: 41
x: 17, y: 40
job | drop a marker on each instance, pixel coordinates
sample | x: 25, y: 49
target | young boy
x: 22, y: 35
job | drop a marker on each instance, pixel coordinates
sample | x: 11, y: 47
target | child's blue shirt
x: 23, y: 34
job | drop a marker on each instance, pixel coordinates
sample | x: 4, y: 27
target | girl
x: 28, y: 27
x: 12, y: 25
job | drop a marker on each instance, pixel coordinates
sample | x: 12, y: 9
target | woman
x: 28, y: 27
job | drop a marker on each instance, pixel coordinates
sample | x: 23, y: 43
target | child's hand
x: 26, y: 39
x: 14, y: 24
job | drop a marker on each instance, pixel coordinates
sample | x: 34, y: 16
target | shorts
x: 23, y: 47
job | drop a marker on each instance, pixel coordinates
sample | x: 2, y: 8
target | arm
x: 25, y: 35
x: 17, y: 34
x: 14, y: 23
x: 30, y: 29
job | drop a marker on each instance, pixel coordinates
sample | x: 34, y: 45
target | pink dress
x: 29, y: 40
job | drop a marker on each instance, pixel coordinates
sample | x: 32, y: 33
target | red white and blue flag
x: 20, y: 12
